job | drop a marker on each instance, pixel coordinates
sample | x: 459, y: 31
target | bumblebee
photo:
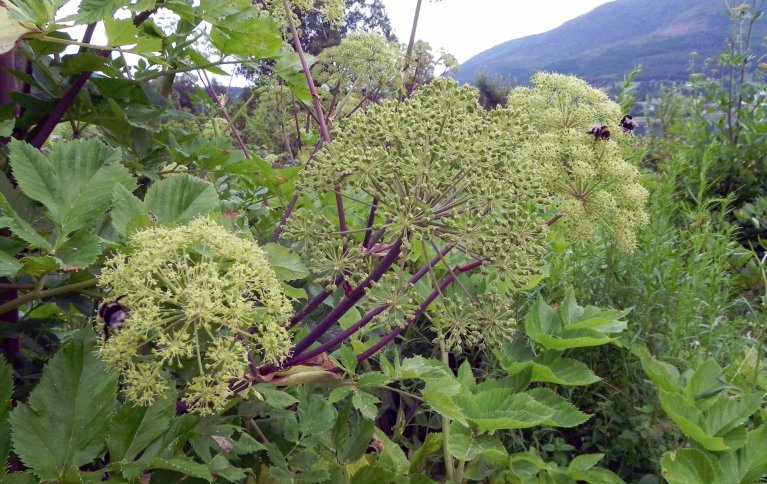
x: 628, y: 124
x: 113, y: 314
x: 599, y: 132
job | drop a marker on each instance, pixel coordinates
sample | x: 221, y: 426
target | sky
x: 465, y: 28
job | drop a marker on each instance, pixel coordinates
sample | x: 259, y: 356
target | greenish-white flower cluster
x: 592, y: 183
x: 442, y: 172
x: 200, y: 300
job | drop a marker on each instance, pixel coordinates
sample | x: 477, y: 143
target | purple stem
x: 312, y: 304
x: 214, y: 97
x: 338, y: 339
x: 443, y: 285
x: 284, y: 219
x: 40, y: 134
x: 371, y: 220
x: 349, y: 300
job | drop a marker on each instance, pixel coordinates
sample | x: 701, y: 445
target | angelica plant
x: 435, y: 187
x: 204, y: 305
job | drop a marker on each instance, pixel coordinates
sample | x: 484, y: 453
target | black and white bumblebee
x: 113, y: 314
x: 599, y: 132
x: 628, y: 124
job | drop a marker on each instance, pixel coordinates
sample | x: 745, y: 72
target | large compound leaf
x: 565, y: 413
x: 74, y: 183
x: 64, y: 424
x: 180, y: 198
x: 572, y: 326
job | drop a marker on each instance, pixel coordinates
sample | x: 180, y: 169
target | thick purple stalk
x: 338, y: 339
x: 443, y: 285
x: 350, y: 300
x: 371, y: 221
x: 312, y: 304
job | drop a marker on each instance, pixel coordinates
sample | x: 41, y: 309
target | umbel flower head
x: 200, y: 299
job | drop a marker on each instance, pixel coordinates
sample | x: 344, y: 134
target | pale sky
x: 465, y: 28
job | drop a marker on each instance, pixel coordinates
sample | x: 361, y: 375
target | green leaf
x: 315, y: 416
x: 9, y: 265
x: 422, y: 368
x: 565, y: 413
x: 440, y: 393
x: 6, y: 125
x: 180, y: 198
x: 355, y: 444
x: 126, y: 207
x: 6, y: 389
x: 20, y: 227
x: 372, y: 379
x: 665, y: 376
x: 275, y: 398
x: 392, y: 458
x: 74, y: 184
x: 288, y: 67
x: 562, y: 371
x: 94, y: 10
x: 64, y: 424
x: 431, y: 445
x: 185, y: 466
x: 687, y: 466
x: 366, y: 404
x: 690, y: 420
x: 135, y: 427
x: 499, y: 409
x: 286, y: 264
x: 81, y: 250
x: 11, y: 30
x: 465, y: 445
x: 120, y: 31
x: 20, y: 478
x: 245, y: 33
x: 727, y: 413
x: 220, y: 466
x: 37, y: 266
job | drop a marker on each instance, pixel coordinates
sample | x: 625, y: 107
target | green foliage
x: 62, y: 427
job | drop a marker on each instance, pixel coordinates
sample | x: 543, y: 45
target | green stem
x: 33, y: 295
x: 401, y: 392
x: 449, y: 464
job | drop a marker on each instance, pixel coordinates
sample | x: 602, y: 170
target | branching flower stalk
x: 439, y: 170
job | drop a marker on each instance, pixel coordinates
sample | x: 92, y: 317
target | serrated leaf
x: 20, y: 227
x: 690, y: 420
x: 565, y: 413
x: 499, y: 409
x: 563, y: 371
x: 11, y: 29
x: 80, y: 250
x: 20, y: 478
x: 37, y: 266
x: 431, y: 445
x: 286, y: 264
x: 392, y: 458
x: 422, y: 368
x: 466, y: 445
x: 220, y: 466
x: 366, y: 404
x: 120, y: 31
x: 135, y: 427
x: 315, y: 416
x: 126, y: 207
x: 9, y: 265
x: 356, y: 443
x: 6, y: 125
x: 180, y: 198
x: 245, y: 33
x: 687, y: 466
x: 185, y: 466
x: 74, y: 183
x: 6, y: 389
x: 276, y: 398
x: 94, y: 10
x: 372, y: 379
x: 440, y: 395
x: 64, y: 424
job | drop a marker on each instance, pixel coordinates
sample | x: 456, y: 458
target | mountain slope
x: 604, y: 44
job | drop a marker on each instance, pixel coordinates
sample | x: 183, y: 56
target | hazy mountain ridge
x: 604, y: 44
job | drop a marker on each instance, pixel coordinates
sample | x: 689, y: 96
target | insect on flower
x: 113, y: 314
x: 599, y: 132
x: 628, y: 124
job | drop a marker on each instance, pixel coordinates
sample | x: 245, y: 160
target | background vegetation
x: 449, y: 312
